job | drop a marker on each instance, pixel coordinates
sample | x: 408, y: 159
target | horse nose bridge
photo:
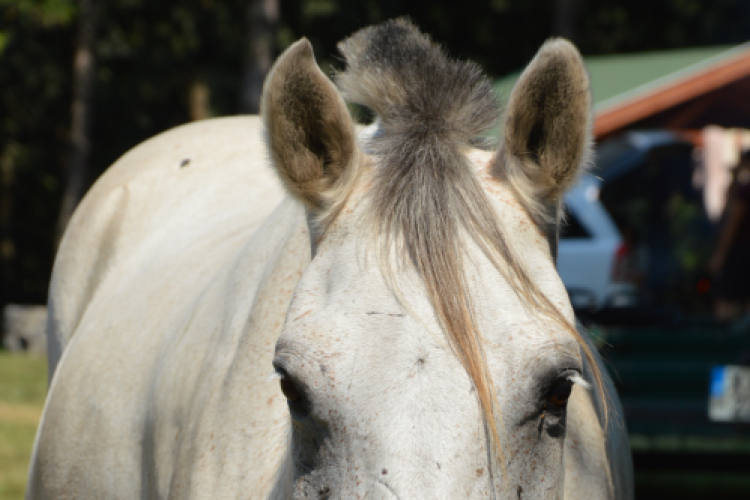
x: 389, y: 485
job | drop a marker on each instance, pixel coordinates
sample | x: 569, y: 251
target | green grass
x: 23, y: 387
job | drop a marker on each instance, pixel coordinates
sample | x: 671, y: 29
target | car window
x: 571, y: 228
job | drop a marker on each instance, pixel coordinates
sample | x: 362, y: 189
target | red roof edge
x: 671, y: 94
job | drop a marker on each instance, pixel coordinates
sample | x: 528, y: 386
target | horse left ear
x: 309, y: 131
x: 547, y: 126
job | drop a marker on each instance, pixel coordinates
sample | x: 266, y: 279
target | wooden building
x: 682, y: 90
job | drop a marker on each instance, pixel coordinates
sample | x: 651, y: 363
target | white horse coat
x: 173, y: 284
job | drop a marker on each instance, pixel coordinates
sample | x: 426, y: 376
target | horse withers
x: 392, y: 327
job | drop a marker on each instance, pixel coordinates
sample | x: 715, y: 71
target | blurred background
x: 654, y: 253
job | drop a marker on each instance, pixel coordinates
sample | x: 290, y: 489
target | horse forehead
x: 346, y: 238
x: 346, y: 273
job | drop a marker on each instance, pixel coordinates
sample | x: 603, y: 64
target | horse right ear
x: 309, y: 131
x: 547, y: 136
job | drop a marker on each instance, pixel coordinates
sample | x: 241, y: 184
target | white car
x: 593, y: 260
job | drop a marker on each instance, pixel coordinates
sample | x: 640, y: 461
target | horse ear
x: 309, y: 131
x: 547, y: 126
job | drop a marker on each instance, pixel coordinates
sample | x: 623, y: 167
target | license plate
x: 729, y: 398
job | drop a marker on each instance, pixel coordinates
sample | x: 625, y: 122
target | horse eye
x: 290, y: 391
x: 560, y: 393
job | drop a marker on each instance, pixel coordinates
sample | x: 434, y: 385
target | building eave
x: 619, y: 111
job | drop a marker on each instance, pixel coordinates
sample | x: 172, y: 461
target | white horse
x: 404, y: 294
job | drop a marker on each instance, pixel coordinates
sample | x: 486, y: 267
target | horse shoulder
x: 218, y: 422
x: 141, y: 301
x: 120, y: 210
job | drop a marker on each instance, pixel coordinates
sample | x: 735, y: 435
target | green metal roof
x: 618, y: 77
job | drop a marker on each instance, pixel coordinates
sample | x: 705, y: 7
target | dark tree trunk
x: 199, y: 100
x: 564, y: 24
x: 262, y: 17
x: 7, y: 243
x: 81, y: 108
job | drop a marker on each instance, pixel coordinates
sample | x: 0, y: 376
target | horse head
x: 429, y: 350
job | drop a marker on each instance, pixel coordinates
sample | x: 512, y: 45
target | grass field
x: 23, y: 386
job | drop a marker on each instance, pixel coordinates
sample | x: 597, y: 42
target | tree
x: 565, y: 19
x: 81, y: 110
x: 261, y: 19
x: 34, y: 77
x: 161, y: 64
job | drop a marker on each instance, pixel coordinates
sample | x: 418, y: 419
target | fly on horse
x: 385, y: 322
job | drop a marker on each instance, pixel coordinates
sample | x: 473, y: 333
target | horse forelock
x: 426, y: 201
x: 414, y: 87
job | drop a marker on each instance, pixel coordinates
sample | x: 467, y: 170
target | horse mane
x: 425, y: 198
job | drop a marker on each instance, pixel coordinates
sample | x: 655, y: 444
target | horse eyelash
x: 577, y: 379
x: 273, y: 376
